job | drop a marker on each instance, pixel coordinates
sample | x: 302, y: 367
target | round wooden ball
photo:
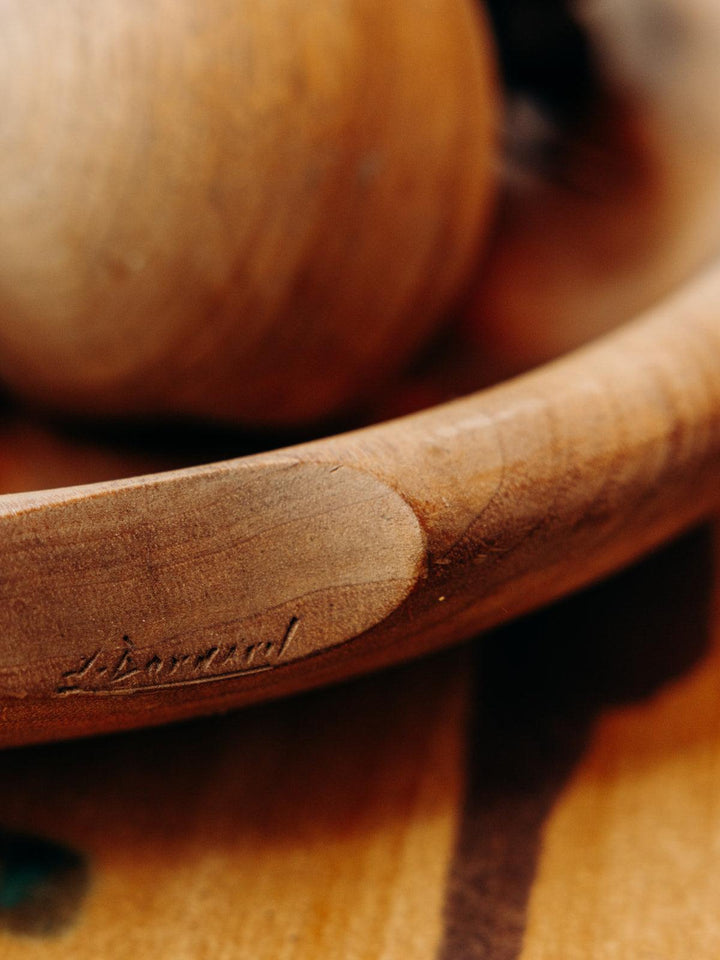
x: 241, y: 210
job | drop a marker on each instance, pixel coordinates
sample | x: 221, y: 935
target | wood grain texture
x: 372, y: 820
x: 544, y: 685
x: 401, y: 538
x: 249, y: 211
x: 629, y: 867
x: 316, y: 828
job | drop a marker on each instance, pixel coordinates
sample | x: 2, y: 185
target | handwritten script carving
x: 124, y: 669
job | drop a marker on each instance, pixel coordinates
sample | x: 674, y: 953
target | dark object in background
x: 545, y: 57
x: 42, y: 884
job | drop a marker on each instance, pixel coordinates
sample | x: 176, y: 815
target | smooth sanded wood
x: 231, y: 209
x: 188, y: 592
x: 240, y: 570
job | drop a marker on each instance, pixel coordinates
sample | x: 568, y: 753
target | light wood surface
x: 192, y: 591
x: 551, y: 792
x: 314, y: 828
x: 629, y: 867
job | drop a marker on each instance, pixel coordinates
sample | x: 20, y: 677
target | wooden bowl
x: 164, y: 596
x: 189, y: 591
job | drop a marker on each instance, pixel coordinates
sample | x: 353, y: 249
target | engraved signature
x: 126, y: 670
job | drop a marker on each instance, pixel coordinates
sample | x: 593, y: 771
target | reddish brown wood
x: 192, y: 591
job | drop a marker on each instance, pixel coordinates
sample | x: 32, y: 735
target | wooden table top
x: 550, y: 792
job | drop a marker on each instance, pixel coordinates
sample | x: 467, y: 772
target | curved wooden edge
x: 162, y: 597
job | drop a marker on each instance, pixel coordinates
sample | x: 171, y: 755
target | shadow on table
x: 341, y: 763
x: 541, y: 683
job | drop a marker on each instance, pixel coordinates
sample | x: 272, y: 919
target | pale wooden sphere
x: 242, y: 209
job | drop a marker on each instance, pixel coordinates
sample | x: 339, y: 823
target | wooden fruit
x: 242, y: 210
